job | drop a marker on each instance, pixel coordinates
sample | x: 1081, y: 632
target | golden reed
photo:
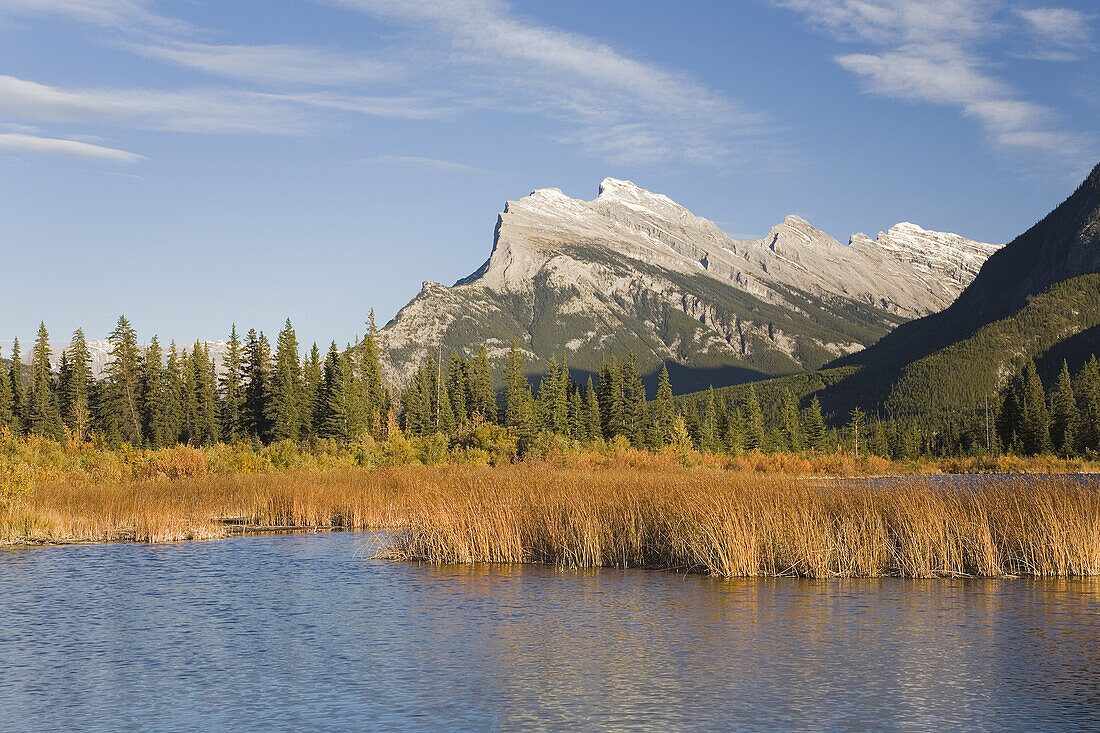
x: 630, y: 510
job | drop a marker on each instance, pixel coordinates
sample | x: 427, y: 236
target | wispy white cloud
x: 933, y: 51
x: 614, y: 106
x: 427, y: 164
x: 105, y: 13
x: 73, y: 148
x: 274, y: 64
x: 1060, y: 34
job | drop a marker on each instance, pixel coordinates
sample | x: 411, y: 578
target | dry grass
x: 630, y: 509
x: 747, y: 524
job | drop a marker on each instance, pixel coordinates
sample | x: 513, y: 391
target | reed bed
x: 626, y: 511
x: 736, y: 524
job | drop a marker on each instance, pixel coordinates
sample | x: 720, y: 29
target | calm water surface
x: 304, y: 632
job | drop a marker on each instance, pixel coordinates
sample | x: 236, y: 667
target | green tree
x: 166, y: 418
x: 257, y: 386
x: 44, y: 415
x: 857, y: 424
x: 664, y: 408
x: 285, y: 411
x: 813, y: 426
x: 754, y: 422
x: 1035, y: 416
x: 1063, y: 418
x: 458, y: 388
x: 792, y: 425
x: 635, y: 417
x: 708, y: 428
x: 377, y: 399
x: 7, y: 414
x: 516, y: 389
x: 233, y: 427
x: 18, y: 388
x: 591, y: 420
x: 207, y: 425
x: 1088, y: 392
x: 78, y: 411
x: 483, y: 399
x: 122, y: 386
x: 152, y: 376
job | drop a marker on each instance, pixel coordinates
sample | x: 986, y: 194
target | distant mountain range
x: 1038, y: 297
x: 633, y: 271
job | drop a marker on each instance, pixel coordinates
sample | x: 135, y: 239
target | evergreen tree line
x: 1064, y: 419
x: 153, y: 398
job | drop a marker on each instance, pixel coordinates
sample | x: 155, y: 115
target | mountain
x: 1038, y: 297
x: 633, y: 271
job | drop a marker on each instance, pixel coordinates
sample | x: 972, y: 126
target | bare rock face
x: 633, y: 271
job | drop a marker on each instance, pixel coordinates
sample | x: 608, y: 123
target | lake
x: 305, y: 632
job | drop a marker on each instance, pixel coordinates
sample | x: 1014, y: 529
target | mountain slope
x: 1039, y: 291
x: 632, y: 271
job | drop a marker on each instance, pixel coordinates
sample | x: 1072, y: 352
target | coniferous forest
x: 158, y: 396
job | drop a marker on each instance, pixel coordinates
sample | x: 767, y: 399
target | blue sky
x: 199, y: 162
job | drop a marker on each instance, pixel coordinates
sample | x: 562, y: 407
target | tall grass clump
x: 742, y: 524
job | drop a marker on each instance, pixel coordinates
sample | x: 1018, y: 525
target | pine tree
x: 612, y: 399
x: 152, y: 377
x: 813, y: 426
x: 326, y: 423
x: 257, y: 389
x: 285, y: 408
x: 664, y: 409
x: 792, y: 426
x: 592, y: 427
x: 207, y: 426
x: 121, y: 387
x: 754, y: 422
x: 311, y: 387
x: 458, y: 388
x: 44, y: 417
x: 516, y: 389
x: 708, y: 428
x: 734, y: 438
x: 1063, y: 422
x: 549, y: 389
x: 18, y: 389
x: 189, y: 398
x: 1036, y: 417
x: 857, y: 422
x: 377, y: 399
x: 1088, y: 392
x: 233, y: 426
x: 483, y: 399
x: 78, y: 412
x: 166, y: 420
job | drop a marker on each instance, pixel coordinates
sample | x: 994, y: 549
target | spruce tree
x: 754, y: 422
x: 458, y: 388
x: 483, y: 399
x: 152, y: 377
x: 44, y: 417
x: 592, y: 427
x: 311, y: 387
x: 78, y: 411
x: 734, y: 438
x: 207, y: 427
x: 189, y: 398
x: 1088, y: 392
x: 708, y: 428
x: 1063, y: 418
x: 377, y: 403
x: 792, y: 426
x: 166, y: 420
x: 664, y: 408
x: 257, y: 386
x: 813, y: 426
x: 857, y: 423
x: 549, y: 388
x: 18, y: 389
x: 285, y: 408
x: 121, y: 387
x: 516, y: 390
x: 232, y: 412
x: 326, y: 423
x: 1036, y: 417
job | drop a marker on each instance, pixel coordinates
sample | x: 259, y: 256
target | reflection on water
x: 303, y: 632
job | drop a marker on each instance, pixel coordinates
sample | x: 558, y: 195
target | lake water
x: 303, y: 632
